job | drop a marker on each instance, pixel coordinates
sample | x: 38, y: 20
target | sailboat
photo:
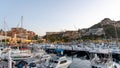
x: 104, y: 62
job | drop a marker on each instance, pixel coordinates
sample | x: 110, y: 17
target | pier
x: 83, y: 51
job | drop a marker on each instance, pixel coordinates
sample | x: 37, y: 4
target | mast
x: 21, y: 28
x: 9, y: 59
x: 21, y: 21
x: 5, y: 32
x: 1, y: 36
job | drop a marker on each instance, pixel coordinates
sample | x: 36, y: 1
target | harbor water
x: 79, y: 63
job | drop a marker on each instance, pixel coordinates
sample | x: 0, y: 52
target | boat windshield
x: 53, y: 61
x: 95, y: 67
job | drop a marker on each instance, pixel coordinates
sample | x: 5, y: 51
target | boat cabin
x: 60, y: 62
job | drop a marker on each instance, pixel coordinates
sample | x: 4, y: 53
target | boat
x: 97, y: 62
x: 20, y: 53
x: 16, y: 53
x: 22, y: 58
x: 58, y: 62
x: 61, y: 62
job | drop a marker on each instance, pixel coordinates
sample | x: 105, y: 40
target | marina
x: 59, y: 34
x: 39, y: 56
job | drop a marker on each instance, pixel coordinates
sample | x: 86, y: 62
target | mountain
x: 109, y: 27
x: 105, y: 21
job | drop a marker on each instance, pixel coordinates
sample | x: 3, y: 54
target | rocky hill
x: 105, y: 29
x: 111, y: 27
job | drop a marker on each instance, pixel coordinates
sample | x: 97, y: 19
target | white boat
x: 59, y: 62
x: 97, y: 62
x: 18, y: 53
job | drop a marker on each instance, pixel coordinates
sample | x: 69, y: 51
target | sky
x: 43, y: 16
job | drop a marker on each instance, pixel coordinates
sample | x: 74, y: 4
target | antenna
x: 75, y: 27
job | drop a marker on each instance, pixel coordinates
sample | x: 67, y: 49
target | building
x: 97, y: 31
x: 51, y: 33
x: 18, y: 34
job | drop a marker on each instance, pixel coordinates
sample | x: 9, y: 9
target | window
x: 64, y: 61
x: 53, y: 61
x: 94, y: 67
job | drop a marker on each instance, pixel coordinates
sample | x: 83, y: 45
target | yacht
x: 58, y: 62
x: 20, y: 53
x: 97, y: 62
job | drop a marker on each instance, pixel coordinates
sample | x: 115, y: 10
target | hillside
x: 106, y: 28
x: 109, y: 27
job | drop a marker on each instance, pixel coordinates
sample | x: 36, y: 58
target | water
x: 79, y: 63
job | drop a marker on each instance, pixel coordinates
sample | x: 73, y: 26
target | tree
x: 35, y: 37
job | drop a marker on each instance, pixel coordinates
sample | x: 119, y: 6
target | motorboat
x: 59, y: 62
x: 20, y: 53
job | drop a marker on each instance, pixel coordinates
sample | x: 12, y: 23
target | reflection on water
x: 79, y: 63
